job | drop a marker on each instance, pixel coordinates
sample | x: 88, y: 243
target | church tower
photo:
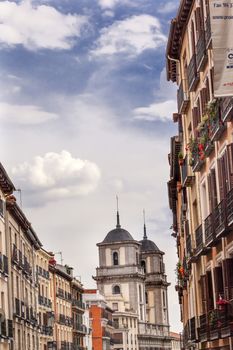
x: 131, y: 276
x: 156, y: 282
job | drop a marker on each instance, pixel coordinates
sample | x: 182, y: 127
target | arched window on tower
x: 143, y: 265
x: 115, y: 258
x: 137, y: 258
x: 116, y: 290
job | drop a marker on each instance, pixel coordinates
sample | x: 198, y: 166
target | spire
x: 118, y: 216
x: 144, y: 217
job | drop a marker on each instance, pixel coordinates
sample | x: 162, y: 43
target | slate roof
x: 118, y: 235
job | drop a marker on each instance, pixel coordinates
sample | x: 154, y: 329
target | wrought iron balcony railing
x: 182, y: 97
x: 199, y: 240
x: 201, y: 52
x: 209, y: 230
x: 193, y: 75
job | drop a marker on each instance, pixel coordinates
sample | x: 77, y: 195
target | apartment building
x: 201, y: 182
x: 78, y: 309
x: 45, y: 313
x: 101, y: 318
x: 6, y: 321
x: 60, y: 279
x: 23, y: 292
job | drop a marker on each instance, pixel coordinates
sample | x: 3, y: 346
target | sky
x: 86, y: 114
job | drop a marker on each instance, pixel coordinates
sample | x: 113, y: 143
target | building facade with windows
x: 45, y: 313
x: 23, y: 244
x: 6, y: 317
x: 78, y: 308
x: 61, y: 277
x: 201, y: 183
x: 130, y: 278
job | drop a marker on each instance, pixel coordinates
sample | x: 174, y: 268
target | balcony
x: 203, y: 330
x: 6, y: 330
x: 182, y: 97
x: 47, y: 330
x: 201, y: 52
x: 17, y: 307
x: 64, y: 295
x: 15, y: 254
x: 209, y: 231
x: 67, y: 321
x: 79, y: 327
x: 44, y: 301
x: 26, y: 267
x: 229, y: 207
x: 216, y: 126
x: 199, y: 240
x: 66, y: 346
x: 42, y: 272
x: 220, y: 222
x: 192, y: 326
x: 78, y: 304
x: 4, y: 264
x: 193, y: 76
x: 186, y: 173
x: 197, y: 162
x: 226, y: 106
x: 207, y: 32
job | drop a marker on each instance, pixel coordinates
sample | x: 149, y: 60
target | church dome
x: 148, y: 246
x: 118, y: 235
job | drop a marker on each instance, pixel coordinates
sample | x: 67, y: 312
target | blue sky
x: 86, y: 113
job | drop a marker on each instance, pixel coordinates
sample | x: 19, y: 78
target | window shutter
x: 203, y: 282
x: 199, y: 110
x: 207, y: 90
x: 195, y: 120
x: 202, y: 17
x: 225, y: 172
x: 220, y: 179
x: 230, y: 165
x: 214, y: 188
x: 228, y: 278
x: 212, y: 80
x: 210, y: 192
x: 192, y: 39
x: 218, y: 281
x: 210, y: 303
x: 198, y: 21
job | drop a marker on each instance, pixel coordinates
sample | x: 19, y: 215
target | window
x: 115, y: 259
x: 143, y: 265
x: 146, y: 298
x: 116, y: 290
x: 115, y: 306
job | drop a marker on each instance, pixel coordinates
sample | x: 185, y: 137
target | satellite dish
x: 2, y: 315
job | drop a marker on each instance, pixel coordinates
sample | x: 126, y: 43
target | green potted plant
x: 180, y: 158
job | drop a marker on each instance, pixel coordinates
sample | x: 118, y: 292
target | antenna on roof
x: 118, y: 216
x: 144, y: 218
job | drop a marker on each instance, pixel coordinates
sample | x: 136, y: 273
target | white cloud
x: 157, y: 111
x: 130, y: 36
x: 57, y: 176
x: 106, y: 4
x: 168, y: 7
x: 24, y: 114
x: 41, y: 27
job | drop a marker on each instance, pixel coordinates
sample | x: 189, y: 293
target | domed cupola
x: 118, y: 234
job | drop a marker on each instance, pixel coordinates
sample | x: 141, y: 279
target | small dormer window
x: 115, y: 259
x: 116, y: 290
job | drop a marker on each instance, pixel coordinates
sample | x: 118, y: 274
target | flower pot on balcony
x: 181, y: 162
